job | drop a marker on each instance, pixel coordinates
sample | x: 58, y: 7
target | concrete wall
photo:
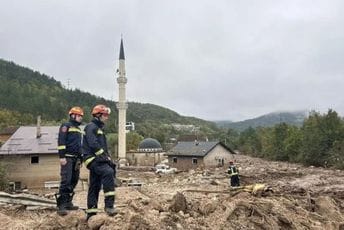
x: 185, y: 163
x: 216, y: 156
x: 33, y: 175
x: 145, y: 159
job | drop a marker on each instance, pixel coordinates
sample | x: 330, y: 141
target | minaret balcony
x: 122, y: 105
x: 122, y: 80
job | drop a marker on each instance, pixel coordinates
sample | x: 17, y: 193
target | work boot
x: 61, y: 201
x: 71, y: 206
x: 62, y: 211
x: 111, y: 211
x: 89, y: 215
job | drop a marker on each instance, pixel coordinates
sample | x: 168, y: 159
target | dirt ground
x: 290, y: 197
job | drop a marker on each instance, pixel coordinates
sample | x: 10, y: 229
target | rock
x: 207, y: 208
x: 178, y: 203
x: 164, y: 215
x: 284, y: 220
x: 206, y: 173
x: 327, y: 207
x: 214, y: 182
x: 137, y: 222
x: 145, y: 201
x: 133, y: 205
x: 341, y: 226
x: 96, y: 221
x: 154, y: 212
x: 156, y: 205
x: 6, y: 221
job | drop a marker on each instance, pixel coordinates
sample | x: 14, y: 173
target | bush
x: 3, y: 177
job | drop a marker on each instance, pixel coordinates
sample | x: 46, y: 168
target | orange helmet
x: 76, y: 110
x: 101, y: 109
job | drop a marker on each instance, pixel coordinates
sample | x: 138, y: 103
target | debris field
x: 273, y: 195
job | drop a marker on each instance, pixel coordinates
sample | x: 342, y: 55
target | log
x: 26, y: 199
x: 208, y: 191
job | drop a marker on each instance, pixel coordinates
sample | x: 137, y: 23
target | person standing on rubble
x: 69, y: 148
x: 233, y: 174
x: 98, y: 161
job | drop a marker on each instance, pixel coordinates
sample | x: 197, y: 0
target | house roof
x: 193, y: 149
x: 24, y: 141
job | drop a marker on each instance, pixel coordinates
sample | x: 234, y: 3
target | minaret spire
x: 121, y: 106
x: 121, y: 51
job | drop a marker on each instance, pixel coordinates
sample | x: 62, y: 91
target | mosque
x: 149, y: 151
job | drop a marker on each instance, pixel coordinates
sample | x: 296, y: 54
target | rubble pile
x: 274, y: 195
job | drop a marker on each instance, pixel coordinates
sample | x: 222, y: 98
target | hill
x: 267, y: 120
x: 25, y: 93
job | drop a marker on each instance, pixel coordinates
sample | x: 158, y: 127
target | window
x: 34, y: 160
x: 14, y: 186
x: 220, y: 162
x: 174, y: 159
x: 194, y: 161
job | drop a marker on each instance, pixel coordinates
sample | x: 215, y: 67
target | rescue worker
x: 98, y: 161
x: 234, y: 174
x: 69, y: 148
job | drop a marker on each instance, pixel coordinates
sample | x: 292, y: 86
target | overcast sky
x: 216, y: 60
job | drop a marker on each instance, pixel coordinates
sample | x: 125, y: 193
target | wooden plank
x: 26, y: 199
x: 208, y: 191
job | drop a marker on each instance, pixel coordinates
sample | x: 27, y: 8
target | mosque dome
x: 149, y: 145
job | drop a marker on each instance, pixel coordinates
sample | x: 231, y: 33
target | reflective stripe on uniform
x: 111, y: 193
x: 232, y: 173
x: 70, y: 155
x: 74, y: 130
x: 93, y: 210
x: 100, y: 132
x: 99, y: 152
x: 89, y: 160
x: 61, y: 147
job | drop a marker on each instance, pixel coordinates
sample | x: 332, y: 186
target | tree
x: 280, y: 134
x: 133, y: 140
x: 293, y: 144
x: 320, y: 132
x: 3, y: 177
x: 112, y: 141
x: 336, y: 155
x: 230, y: 137
x: 249, y: 142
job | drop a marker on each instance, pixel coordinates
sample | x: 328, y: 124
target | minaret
x: 121, y: 106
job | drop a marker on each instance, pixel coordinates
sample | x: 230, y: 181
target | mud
x: 294, y: 197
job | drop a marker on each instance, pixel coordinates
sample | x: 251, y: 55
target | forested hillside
x: 317, y: 139
x: 25, y: 93
x: 267, y: 120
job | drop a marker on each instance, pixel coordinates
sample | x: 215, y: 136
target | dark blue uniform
x: 98, y: 161
x: 234, y: 175
x: 69, y: 147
